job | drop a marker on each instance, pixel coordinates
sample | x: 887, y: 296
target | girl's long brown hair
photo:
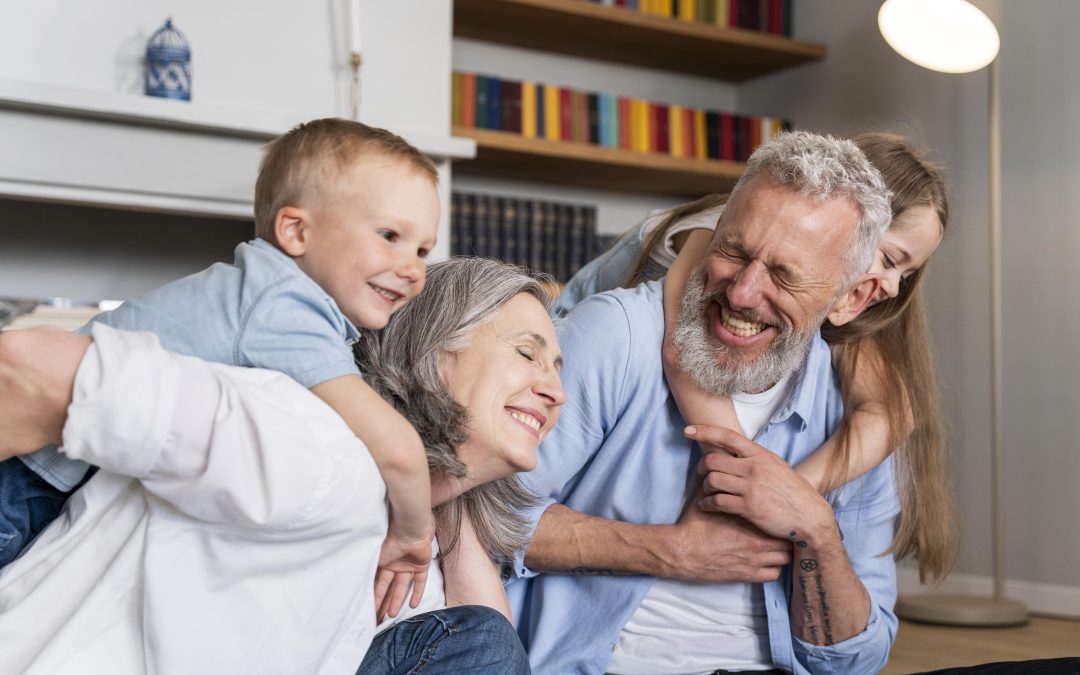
x: 892, y: 341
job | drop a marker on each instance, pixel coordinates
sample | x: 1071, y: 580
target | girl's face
x: 912, y: 238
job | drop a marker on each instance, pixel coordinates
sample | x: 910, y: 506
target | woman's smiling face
x: 508, y: 379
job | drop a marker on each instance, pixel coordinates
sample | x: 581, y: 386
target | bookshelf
x: 510, y: 155
x: 606, y: 33
x: 628, y: 37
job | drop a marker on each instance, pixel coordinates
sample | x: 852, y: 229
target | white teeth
x: 389, y: 295
x: 529, y: 420
x: 738, y: 326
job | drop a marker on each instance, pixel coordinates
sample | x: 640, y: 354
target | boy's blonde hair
x: 314, y: 155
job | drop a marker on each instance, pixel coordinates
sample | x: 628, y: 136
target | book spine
x: 745, y: 139
x: 581, y: 119
x: 676, y: 134
x: 690, y: 135
x: 755, y: 132
x: 540, y: 104
x: 508, y: 231
x: 712, y: 135
x: 510, y: 105
x: 467, y: 245
x: 552, y: 113
x: 455, y: 98
x: 722, y: 13
x: 593, y: 103
x: 482, y: 101
x: 701, y: 137
x: 494, y: 103
x: 468, y: 100
x: 625, y: 124
x: 528, y: 109
x: 566, y: 114
x: 787, y: 18
x: 577, y: 241
x: 455, y: 223
x: 727, y: 137
x: 688, y: 9
x: 562, y: 246
x: 663, y: 129
x: 550, y: 240
x: 482, y: 224
x: 776, y: 16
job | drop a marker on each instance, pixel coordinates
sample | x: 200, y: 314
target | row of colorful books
x: 552, y: 237
x: 538, y: 110
x: 771, y: 16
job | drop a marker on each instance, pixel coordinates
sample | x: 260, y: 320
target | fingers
x: 720, y: 438
x: 720, y: 482
x: 383, y: 579
x: 398, y: 590
x: 419, y: 581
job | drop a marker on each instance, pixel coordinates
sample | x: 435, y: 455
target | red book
x: 776, y: 16
x: 468, y: 100
x: 727, y: 136
x: 510, y: 106
x: 733, y: 13
x: 745, y: 147
x: 689, y: 133
x: 663, y: 130
x: 625, y: 132
x: 566, y: 113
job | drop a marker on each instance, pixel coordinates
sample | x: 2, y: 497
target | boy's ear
x: 857, y: 298
x: 292, y: 229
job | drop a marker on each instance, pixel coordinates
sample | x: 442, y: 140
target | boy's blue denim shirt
x: 261, y: 311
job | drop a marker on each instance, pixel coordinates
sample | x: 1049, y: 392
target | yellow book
x: 552, y: 130
x: 722, y: 11
x: 644, y: 126
x: 688, y: 9
x: 664, y: 7
x: 455, y: 98
x: 675, y: 131
x: 699, y: 135
x: 528, y: 109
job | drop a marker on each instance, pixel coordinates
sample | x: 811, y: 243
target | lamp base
x: 961, y: 610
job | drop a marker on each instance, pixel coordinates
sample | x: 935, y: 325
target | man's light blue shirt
x: 262, y: 311
x: 618, y: 452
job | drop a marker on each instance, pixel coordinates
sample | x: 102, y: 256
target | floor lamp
x: 953, y: 36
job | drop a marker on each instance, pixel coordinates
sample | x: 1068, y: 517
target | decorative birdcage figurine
x: 168, y: 64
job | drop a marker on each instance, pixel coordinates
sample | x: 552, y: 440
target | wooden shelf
x: 508, y: 155
x: 578, y: 28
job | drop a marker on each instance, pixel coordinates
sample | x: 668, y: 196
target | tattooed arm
x: 829, y: 603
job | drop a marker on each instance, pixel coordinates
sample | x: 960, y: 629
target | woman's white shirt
x: 234, y: 527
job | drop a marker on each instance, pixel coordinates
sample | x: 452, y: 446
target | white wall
x: 275, y: 58
x: 864, y: 85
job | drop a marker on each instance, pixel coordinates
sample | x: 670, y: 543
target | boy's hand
x: 402, y: 561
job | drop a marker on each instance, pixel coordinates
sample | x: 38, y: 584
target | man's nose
x: 746, y: 290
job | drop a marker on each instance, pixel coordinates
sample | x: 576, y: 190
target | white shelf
x: 168, y: 114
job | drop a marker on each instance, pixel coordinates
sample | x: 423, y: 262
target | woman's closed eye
x: 527, y: 353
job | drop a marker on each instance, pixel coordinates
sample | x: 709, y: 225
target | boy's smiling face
x: 364, y: 239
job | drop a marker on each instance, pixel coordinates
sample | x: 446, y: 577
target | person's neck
x: 445, y: 488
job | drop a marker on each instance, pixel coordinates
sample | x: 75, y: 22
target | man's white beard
x: 701, y: 353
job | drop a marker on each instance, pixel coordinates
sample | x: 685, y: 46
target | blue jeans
x: 468, y: 639
x: 27, y: 505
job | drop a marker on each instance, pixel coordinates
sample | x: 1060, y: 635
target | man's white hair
x: 822, y: 166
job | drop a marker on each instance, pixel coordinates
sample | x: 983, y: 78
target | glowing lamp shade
x: 949, y: 36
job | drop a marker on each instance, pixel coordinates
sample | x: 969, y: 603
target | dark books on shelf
x: 552, y: 237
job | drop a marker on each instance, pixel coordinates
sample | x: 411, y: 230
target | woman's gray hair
x: 401, y: 362
x: 820, y: 166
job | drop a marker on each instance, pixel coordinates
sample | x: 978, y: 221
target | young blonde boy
x: 345, y: 215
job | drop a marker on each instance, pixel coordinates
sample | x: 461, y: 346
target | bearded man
x: 620, y: 577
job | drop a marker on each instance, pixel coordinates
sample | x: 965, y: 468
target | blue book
x: 481, y: 101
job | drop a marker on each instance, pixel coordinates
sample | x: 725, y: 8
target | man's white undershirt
x: 687, y: 627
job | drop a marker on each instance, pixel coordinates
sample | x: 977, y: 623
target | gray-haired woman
x: 473, y: 364
x: 235, y: 521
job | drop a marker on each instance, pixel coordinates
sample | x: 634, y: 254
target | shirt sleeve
x: 294, y: 331
x: 225, y: 445
x: 596, y: 343
x: 866, y: 515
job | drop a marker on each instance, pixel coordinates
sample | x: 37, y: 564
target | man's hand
x: 719, y: 548
x: 744, y: 479
x: 37, y: 374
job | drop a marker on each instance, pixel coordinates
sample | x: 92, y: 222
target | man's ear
x: 857, y: 298
x: 292, y: 229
